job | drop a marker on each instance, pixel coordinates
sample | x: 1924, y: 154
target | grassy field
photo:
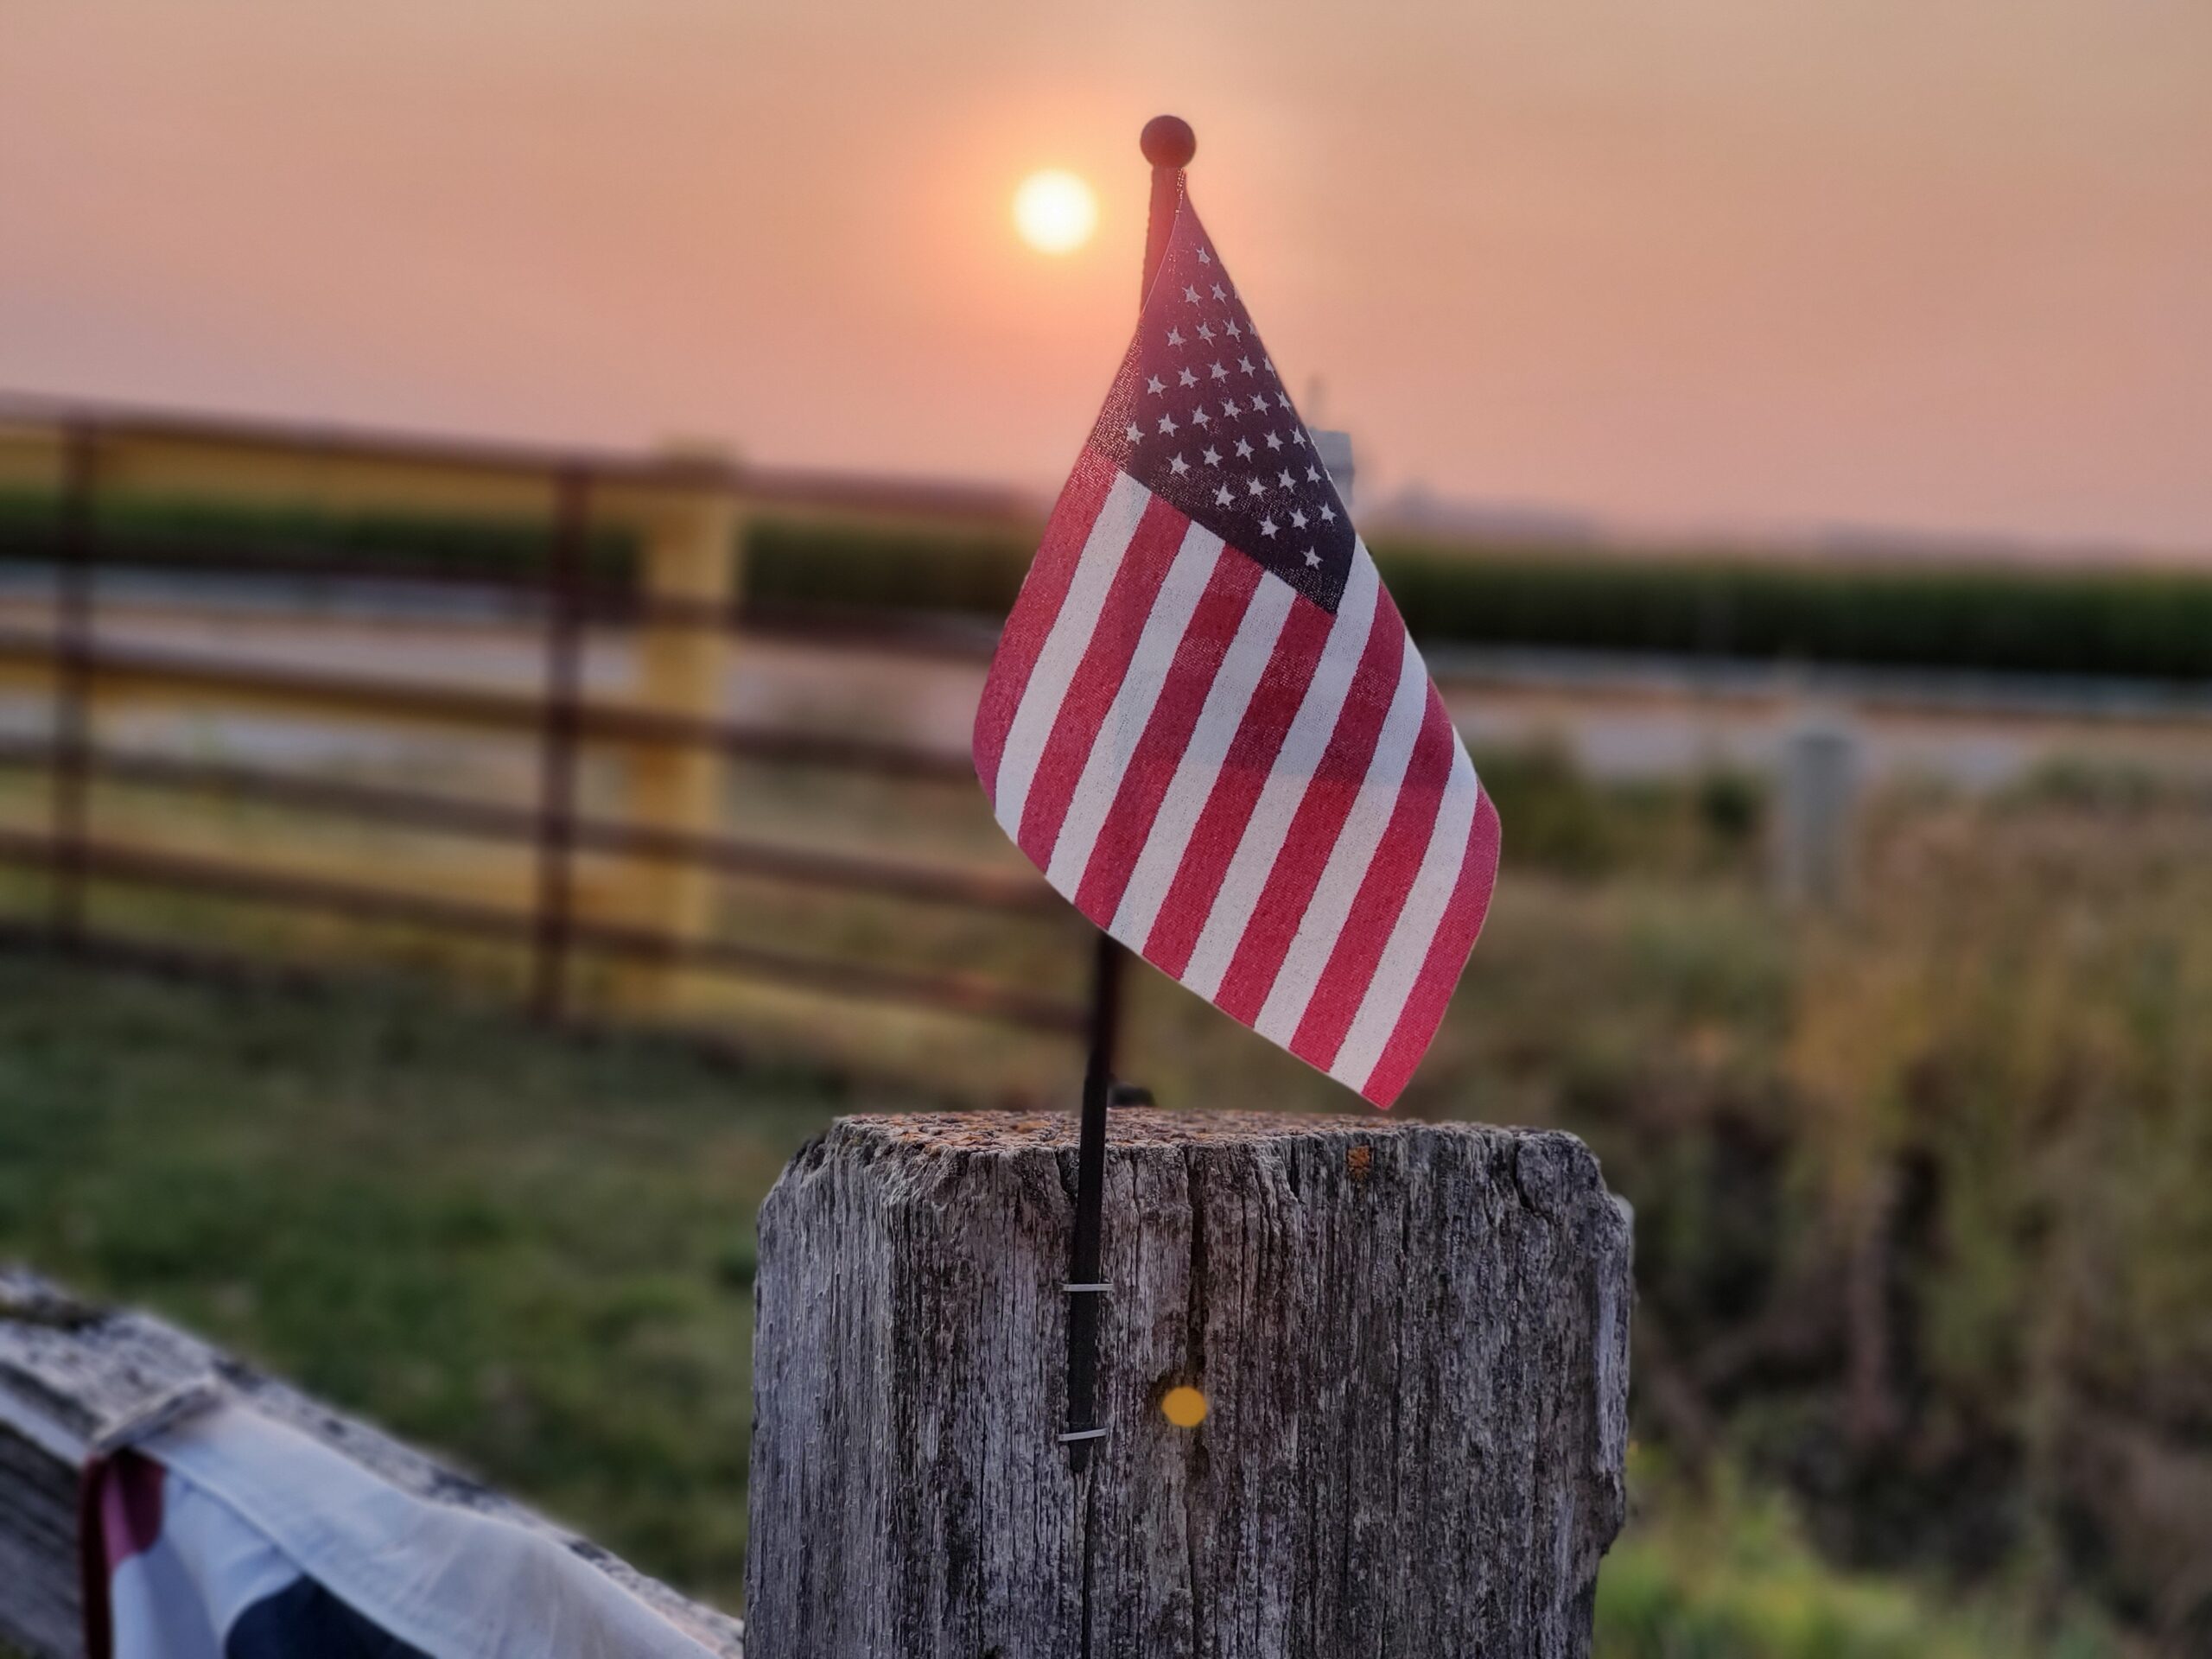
x: 1924, y: 1253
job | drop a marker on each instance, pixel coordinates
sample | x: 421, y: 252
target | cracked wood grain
x: 1412, y: 1337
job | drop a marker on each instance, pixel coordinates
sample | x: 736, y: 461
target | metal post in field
x: 554, y: 917
x: 1815, y: 812
x: 77, y: 555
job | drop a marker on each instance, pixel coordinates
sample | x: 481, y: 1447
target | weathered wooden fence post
x: 690, y: 557
x: 1412, y: 1339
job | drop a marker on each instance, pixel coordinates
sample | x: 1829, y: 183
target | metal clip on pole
x: 1085, y: 1286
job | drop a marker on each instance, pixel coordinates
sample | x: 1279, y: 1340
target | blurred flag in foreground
x: 232, y: 1536
x: 1205, y: 723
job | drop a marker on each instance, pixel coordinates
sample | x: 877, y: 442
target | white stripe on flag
x: 1062, y: 653
x: 1307, y: 741
x: 1416, y: 927
x: 415, y: 1568
x: 1230, y: 694
x: 178, y: 1598
x: 1348, y: 860
x: 1094, y: 792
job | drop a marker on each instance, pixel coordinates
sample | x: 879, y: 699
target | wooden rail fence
x: 681, y: 608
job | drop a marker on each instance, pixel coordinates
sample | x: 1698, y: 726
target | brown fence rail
x: 560, y: 600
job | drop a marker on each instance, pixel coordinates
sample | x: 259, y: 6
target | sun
x: 1055, y: 211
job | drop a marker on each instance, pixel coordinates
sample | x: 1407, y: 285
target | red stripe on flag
x: 1447, y: 955
x: 1043, y: 592
x: 1213, y: 625
x: 1243, y: 774
x: 1320, y: 816
x: 130, y: 1506
x: 1382, y: 892
x: 1113, y: 641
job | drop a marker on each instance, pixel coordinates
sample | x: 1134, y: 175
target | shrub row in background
x: 2072, y: 620
x: 2124, y: 621
x: 2076, y: 620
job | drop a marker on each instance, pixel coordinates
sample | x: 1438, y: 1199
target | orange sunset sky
x: 1941, y: 265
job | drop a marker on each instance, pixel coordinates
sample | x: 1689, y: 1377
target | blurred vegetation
x: 1728, y: 1574
x: 2149, y: 624
x: 2078, y: 620
x: 1923, y: 1193
x: 189, y: 533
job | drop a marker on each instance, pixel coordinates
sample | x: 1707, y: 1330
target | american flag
x: 1206, y: 724
x: 233, y: 1535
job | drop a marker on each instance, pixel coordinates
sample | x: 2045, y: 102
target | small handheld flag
x: 1205, y: 722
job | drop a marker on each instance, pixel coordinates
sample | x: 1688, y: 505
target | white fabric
x: 455, y: 1583
x: 179, y: 1599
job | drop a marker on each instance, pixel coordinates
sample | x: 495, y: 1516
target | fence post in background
x: 687, y: 559
x: 554, y: 915
x: 1411, y: 1340
x: 76, y: 553
x: 1815, y: 811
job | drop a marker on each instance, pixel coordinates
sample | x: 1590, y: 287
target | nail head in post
x: 1167, y: 140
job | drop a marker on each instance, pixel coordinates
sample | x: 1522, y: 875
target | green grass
x: 534, y: 1253
x: 1726, y: 1573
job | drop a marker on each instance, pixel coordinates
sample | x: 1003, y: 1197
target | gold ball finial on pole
x: 1167, y: 140
x: 1168, y: 144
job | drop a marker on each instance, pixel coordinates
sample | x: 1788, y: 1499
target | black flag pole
x: 1168, y: 144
